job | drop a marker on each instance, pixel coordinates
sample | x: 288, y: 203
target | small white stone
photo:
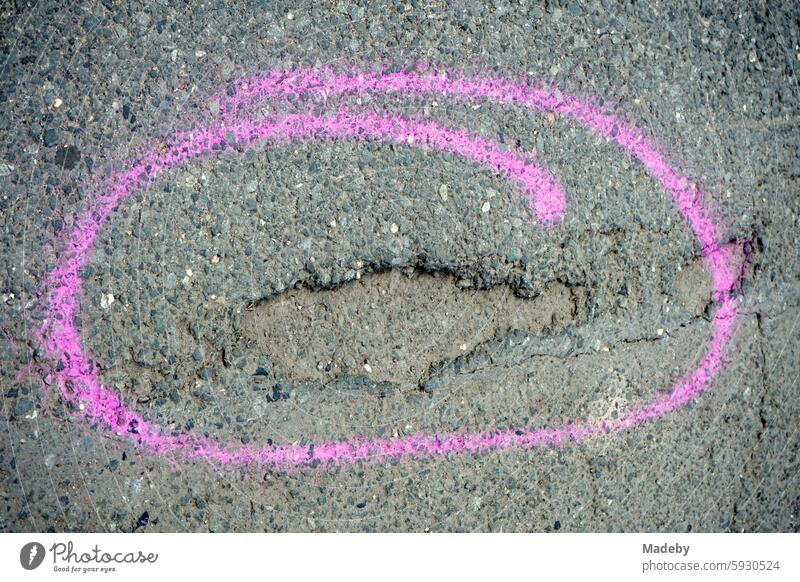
x: 107, y: 300
x: 660, y: 331
x: 57, y: 103
x: 394, y: 228
x: 368, y: 368
x: 463, y: 347
x: 486, y: 206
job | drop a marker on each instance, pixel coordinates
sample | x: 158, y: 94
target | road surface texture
x: 326, y: 290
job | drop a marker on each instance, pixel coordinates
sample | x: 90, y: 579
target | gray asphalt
x: 223, y: 322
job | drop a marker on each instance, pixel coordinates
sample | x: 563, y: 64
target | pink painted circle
x: 79, y: 383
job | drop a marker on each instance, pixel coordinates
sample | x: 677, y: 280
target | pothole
x: 391, y: 326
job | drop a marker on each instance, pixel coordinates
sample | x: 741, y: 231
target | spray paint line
x: 78, y: 379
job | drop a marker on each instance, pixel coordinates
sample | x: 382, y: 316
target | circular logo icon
x: 31, y: 555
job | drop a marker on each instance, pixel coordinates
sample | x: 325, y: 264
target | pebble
x: 50, y: 137
x: 23, y: 406
x: 67, y: 156
x: 107, y: 300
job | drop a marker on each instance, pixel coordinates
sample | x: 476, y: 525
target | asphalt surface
x: 318, y: 291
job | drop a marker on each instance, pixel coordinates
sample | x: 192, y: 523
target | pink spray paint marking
x: 79, y: 382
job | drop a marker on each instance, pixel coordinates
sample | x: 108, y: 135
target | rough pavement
x: 317, y: 291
